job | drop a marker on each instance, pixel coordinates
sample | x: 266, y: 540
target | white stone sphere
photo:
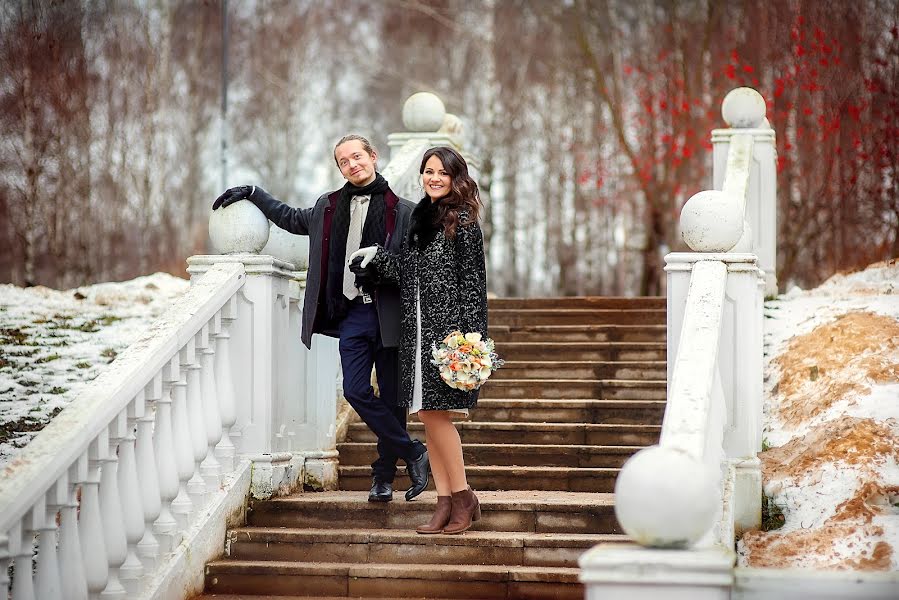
x: 711, y: 221
x: 665, y: 498
x: 288, y: 247
x: 239, y: 228
x: 423, y: 112
x: 744, y: 108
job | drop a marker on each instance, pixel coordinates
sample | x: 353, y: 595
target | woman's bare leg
x: 438, y: 469
x: 445, y: 443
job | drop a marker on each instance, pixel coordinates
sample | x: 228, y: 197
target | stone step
x: 279, y: 597
x: 477, y: 432
x: 378, y: 546
x: 582, y: 351
x: 548, y: 389
x: 529, y: 455
x: 534, y: 511
x: 606, y: 302
x: 576, y: 316
x: 406, y: 580
x: 582, y: 369
x: 577, y: 333
x: 577, y: 410
x: 269, y: 597
x: 498, y: 478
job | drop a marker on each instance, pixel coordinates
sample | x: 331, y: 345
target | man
x: 364, y: 212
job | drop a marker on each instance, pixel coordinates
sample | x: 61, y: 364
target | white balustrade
x: 225, y: 450
x: 686, y: 498
x: 47, y: 579
x: 166, y: 526
x: 4, y: 566
x: 148, y: 547
x: 182, y: 506
x: 210, y: 467
x: 22, y: 550
x: 132, y: 510
x: 196, y: 487
x: 111, y: 512
x: 90, y: 522
x: 72, y: 574
x: 112, y: 463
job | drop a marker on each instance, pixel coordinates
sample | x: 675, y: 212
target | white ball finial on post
x: 665, y: 498
x: 423, y: 112
x: 711, y: 221
x: 288, y: 247
x: 744, y: 108
x: 239, y: 228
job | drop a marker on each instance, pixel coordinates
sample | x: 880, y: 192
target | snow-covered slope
x: 53, y: 343
x: 832, y: 424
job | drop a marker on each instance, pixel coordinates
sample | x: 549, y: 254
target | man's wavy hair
x: 463, y: 197
x: 366, y: 145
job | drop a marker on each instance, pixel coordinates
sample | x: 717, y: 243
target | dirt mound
x: 836, y: 361
x: 838, y: 546
x: 854, y: 440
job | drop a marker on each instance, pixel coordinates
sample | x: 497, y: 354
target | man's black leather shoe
x: 418, y: 471
x: 381, y: 491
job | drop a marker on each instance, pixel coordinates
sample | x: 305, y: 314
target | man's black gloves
x: 366, y: 277
x: 232, y: 195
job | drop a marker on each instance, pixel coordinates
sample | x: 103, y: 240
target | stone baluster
x: 182, y: 506
x: 148, y: 480
x: 196, y: 487
x: 210, y: 468
x: 225, y: 450
x: 90, y: 523
x: 165, y: 528
x: 21, y: 547
x: 71, y: 561
x: 132, y: 511
x: 47, y: 580
x: 111, y: 511
x: 4, y: 566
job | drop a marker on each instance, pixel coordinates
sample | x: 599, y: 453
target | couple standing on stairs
x: 421, y: 271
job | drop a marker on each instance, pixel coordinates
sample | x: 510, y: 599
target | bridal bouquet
x: 465, y: 361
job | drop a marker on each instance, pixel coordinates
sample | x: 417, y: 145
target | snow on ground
x: 832, y: 425
x: 53, y: 343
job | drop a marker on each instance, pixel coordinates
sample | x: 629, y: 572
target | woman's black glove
x: 232, y: 195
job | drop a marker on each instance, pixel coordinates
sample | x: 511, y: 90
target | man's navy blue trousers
x: 360, y: 348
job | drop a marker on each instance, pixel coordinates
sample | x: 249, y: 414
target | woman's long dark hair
x: 463, y: 196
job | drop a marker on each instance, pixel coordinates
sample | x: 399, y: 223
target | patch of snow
x: 53, y: 343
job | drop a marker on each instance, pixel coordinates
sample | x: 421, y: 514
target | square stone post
x: 761, y: 197
x: 739, y: 365
x: 631, y: 572
x: 283, y: 395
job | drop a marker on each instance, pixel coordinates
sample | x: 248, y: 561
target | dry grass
x: 815, y: 548
x: 854, y: 440
x: 836, y: 361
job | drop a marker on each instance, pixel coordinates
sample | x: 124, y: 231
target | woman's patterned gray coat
x: 451, y: 275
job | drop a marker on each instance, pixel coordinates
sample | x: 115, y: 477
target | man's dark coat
x: 316, y: 223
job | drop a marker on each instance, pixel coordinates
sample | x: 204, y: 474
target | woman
x: 442, y: 278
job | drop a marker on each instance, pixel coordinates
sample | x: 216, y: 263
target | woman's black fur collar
x: 423, y: 228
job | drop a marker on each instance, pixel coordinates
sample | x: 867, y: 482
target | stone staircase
x: 583, y: 388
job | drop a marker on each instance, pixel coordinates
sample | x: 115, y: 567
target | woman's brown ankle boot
x: 440, y: 518
x: 466, y: 509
